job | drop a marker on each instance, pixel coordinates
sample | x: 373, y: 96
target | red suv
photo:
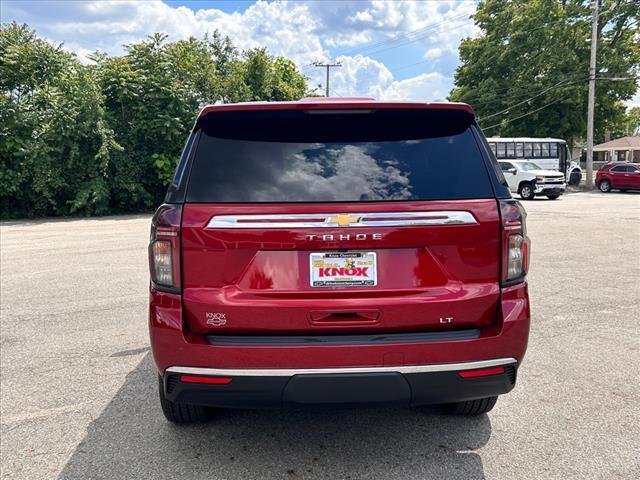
x: 337, y: 251
x: 619, y: 175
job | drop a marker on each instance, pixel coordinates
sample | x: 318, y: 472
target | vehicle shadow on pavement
x: 131, y: 439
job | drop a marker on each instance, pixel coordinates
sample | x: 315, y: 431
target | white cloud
x: 360, y: 76
x: 424, y: 87
x: 426, y: 24
x: 433, y: 53
x: 303, y: 31
x: 300, y: 30
x: 348, y: 40
x: 364, y: 76
x: 285, y: 29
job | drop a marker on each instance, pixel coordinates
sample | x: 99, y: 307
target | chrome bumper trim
x: 541, y: 187
x: 289, y: 372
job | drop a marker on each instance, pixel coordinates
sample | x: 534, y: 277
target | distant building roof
x: 624, y: 143
x: 525, y: 139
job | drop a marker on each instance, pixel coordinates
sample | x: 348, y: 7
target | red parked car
x: 618, y: 175
x: 337, y: 251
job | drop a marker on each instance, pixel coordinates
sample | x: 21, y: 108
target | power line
x: 417, y: 33
x: 530, y: 98
x: 305, y: 69
x: 559, y: 84
x: 524, y: 92
x: 617, y: 79
x: 408, y: 37
x: 523, y: 115
x: 380, y: 50
x: 520, y: 93
x: 411, y: 37
x: 404, y: 67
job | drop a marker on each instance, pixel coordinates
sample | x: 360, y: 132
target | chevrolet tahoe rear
x: 337, y: 252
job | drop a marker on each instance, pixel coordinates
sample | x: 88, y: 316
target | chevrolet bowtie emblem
x: 343, y: 220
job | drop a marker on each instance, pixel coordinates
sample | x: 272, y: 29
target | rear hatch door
x: 338, y: 223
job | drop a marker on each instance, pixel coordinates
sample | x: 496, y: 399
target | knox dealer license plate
x: 343, y: 269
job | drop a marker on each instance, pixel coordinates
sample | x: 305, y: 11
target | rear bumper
x: 409, y: 365
x: 408, y: 385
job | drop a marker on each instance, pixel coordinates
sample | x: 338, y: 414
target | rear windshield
x: 293, y: 156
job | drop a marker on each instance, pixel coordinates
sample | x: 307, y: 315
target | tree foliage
x: 627, y: 125
x: 105, y: 137
x: 526, y: 74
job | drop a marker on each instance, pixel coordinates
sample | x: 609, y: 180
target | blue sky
x: 389, y: 50
x: 226, y: 6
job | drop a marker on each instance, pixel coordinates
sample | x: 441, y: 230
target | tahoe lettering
x: 345, y: 237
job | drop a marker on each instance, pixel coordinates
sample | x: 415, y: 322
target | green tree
x: 151, y: 96
x: 256, y: 75
x: 627, y: 125
x: 632, y: 122
x: 55, y: 146
x: 106, y: 137
x: 154, y: 92
x: 526, y: 74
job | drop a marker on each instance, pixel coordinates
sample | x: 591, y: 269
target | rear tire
x: 605, y: 186
x: 575, y: 177
x: 181, y: 413
x: 553, y: 197
x: 471, y: 408
x: 526, y: 191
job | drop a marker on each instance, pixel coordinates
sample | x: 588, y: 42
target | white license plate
x: 343, y: 269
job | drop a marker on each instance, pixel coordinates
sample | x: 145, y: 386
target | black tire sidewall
x: 604, y: 182
x: 522, y: 190
x: 574, y: 178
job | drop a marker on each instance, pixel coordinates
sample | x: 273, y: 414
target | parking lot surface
x: 79, y: 399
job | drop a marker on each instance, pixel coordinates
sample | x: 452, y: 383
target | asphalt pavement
x: 79, y: 394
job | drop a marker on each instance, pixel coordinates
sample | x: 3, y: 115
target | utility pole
x: 327, y: 66
x: 592, y: 91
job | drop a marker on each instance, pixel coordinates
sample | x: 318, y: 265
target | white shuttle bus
x: 547, y: 153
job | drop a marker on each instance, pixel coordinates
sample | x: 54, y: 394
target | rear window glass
x: 293, y: 156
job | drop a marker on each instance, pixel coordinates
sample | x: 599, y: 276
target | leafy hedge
x: 105, y: 137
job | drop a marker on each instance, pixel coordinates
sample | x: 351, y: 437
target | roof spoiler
x: 340, y: 103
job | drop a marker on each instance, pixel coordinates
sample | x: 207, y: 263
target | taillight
x: 164, y: 248
x: 515, y: 243
x: 206, y: 380
x: 482, y: 372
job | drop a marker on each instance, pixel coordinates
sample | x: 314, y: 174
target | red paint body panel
x: 260, y: 278
x: 173, y: 345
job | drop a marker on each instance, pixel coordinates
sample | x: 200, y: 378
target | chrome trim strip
x: 336, y: 220
x: 289, y: 372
